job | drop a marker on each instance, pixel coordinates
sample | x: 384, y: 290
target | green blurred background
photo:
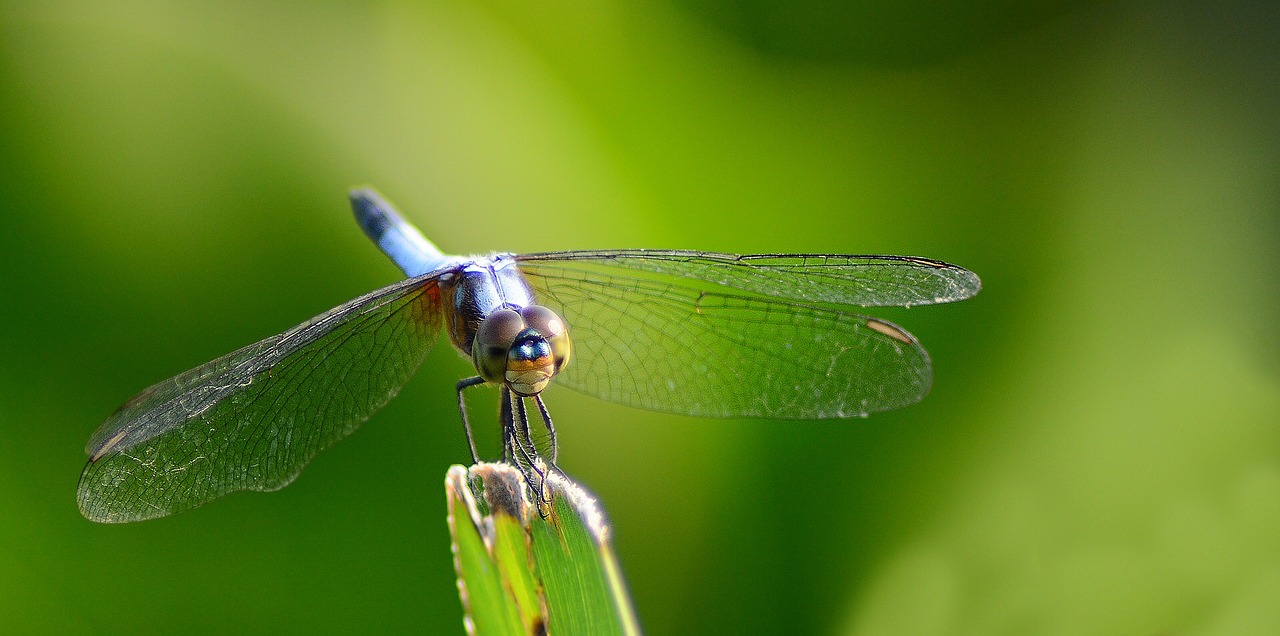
x: 1101, y: 451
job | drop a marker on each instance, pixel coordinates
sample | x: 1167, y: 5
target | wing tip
x: 961, y: 284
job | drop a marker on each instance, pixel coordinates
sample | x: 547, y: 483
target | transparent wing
x: 251, y: 420
x: 861, y: 281
x: 743, y: 336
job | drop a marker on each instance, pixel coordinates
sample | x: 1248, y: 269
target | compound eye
x: 552, y: 328
x: 547, y: 322
x: 493, y: 340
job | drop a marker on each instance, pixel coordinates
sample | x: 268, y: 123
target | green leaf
x: 525, y: 569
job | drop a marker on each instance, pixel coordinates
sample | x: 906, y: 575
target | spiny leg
x: 512, y: 441
x: 462, y: 408
x: 551, y: 429
x: 524, y: 438
x: 506, y: 415
x: 518, y: 429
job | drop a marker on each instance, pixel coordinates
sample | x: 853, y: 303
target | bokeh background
x: 1101, y: 451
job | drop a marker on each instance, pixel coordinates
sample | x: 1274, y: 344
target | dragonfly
x: 704, y: 334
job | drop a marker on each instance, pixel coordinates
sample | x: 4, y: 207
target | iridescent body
x: 695, y: 333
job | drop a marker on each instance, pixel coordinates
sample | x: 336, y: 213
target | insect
x: 695, y: 333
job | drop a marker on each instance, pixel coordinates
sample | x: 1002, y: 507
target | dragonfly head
x: 522, y: 349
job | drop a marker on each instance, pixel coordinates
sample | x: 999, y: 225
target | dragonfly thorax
x: 522, y: 349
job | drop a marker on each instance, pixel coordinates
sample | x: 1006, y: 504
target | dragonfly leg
x: 462, y: 408
x: 524, y: 439
x: 507, y: 417
x: 515, y: 448
x: 519, y: 444
x: 551, y: 429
